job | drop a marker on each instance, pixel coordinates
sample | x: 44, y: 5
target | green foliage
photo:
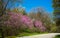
x: 56, y: 5
x: 29, y: 34
x: 53, y: 28
x: 11, y: 37
x: 57, y: 36
x: 19, y: 10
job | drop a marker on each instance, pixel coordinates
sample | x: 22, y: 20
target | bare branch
x: 6, y: 5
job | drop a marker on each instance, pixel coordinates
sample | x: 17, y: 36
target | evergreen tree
x: 56, y: 5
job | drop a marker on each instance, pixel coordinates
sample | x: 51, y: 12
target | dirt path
x: 49, y: 35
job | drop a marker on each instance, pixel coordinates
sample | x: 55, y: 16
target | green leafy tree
x: 19, y: 10
x: 56, y: 5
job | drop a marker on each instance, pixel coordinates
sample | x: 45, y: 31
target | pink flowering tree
x: 12, y: 24
x: 27, y: 21
x: 39, y: 25
x: 15, y: 23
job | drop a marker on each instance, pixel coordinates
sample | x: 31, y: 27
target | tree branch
x: 6, y: 5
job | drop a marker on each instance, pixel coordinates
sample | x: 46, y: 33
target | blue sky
x: 46, y: 4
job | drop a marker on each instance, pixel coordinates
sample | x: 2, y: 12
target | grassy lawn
x: 22, y: 34
x: 11, y: 37
x: 29, y: 34
x: 25, y: 34
x: 58, y: 36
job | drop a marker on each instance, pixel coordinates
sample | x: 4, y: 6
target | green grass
x: 25, y: 34
x: 29, y: 34
x: 22, y: 34
x: 11, y: 37
x: 58, y: 36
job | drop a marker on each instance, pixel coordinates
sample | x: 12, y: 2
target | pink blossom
x: 17, y: 20
x: 39, y: 25
x: 26, y: 20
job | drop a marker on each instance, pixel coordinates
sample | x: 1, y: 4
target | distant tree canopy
x: 19, y: 10
x: 40, y: 14
x: 4, y: 4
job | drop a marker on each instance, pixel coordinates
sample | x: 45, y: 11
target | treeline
x: 14, y: 21
x: 17, y: 21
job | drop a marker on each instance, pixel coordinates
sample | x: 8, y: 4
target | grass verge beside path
x: 29, y: 34
x: 57, y: 36
x: 25, y: 34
